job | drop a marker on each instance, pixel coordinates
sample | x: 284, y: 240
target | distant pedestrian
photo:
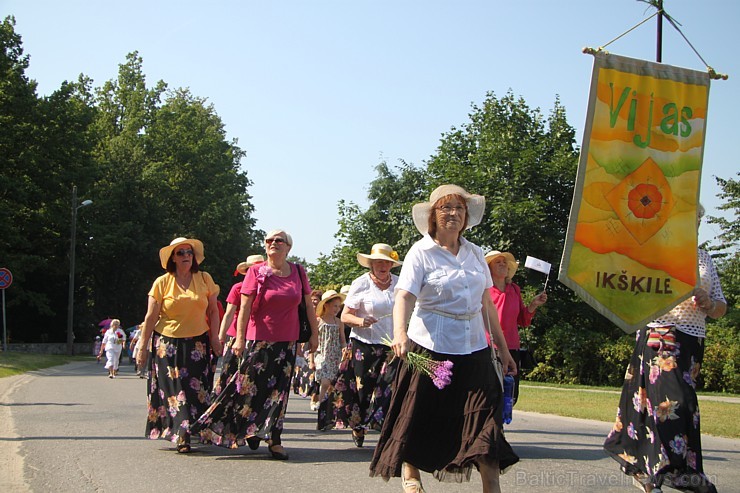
x: 112, y: 345
x: 96, y: 347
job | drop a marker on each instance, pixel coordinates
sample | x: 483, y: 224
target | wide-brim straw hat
x: 328, y: 296
x: 510, y: 261
x: 379, y: 251
x: 242, y: 267
x: 344, y: 289
x: 476, y: 204
x: 166, y: 252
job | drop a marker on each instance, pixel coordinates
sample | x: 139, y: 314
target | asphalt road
x: 70, y: 428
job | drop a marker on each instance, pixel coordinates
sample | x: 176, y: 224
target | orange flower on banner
x: 645, y: 201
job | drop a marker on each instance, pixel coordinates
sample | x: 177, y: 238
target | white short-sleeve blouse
x: 368, y: 300
x: 449, y: 288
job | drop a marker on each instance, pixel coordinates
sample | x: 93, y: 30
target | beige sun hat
x: 475, y: 203
x: 510, y: 261
x: 242, y: 267
x: 166, y: 252
x: 344, y: 289
x: 328, y: 296
x: 379, y: 251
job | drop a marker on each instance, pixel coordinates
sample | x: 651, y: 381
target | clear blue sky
x: 319, y: 92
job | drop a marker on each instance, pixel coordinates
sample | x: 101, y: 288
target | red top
x: 511, y: 312
x: 234, y: 298
x: 274, y: 316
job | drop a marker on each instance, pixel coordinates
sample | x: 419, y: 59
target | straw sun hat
x: 328, y: 296
x: 510, y: 261
x: 379, y: 251
x: 475, y: 203
x: 166, y: 252
x: 242, y: 267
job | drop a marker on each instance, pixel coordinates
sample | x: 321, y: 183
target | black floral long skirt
x: 360, y: 396
x: 253, y: 396
x: 657, y: 429
x: 444, y: 431
x: 179, y: 385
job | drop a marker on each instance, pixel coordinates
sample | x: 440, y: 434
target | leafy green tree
x: 728, y: 261
x: 45, y: 147
x: 525, y: 165
x: 721, y: 367
x: 164, y: 169
x: 387, y: 220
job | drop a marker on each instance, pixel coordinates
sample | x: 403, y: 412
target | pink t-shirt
x: 511, y: 312
x: 234, y: 298
x: 274, y: 316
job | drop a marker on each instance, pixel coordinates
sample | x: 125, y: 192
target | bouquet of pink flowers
x: 439, y: 371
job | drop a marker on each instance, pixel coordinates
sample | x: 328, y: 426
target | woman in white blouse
x: 441, y: 303
x: 359, y: 398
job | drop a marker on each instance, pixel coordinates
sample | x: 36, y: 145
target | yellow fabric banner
x: 631, y: 246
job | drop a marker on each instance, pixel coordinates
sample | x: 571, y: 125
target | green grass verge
x: 16, y: 363
x: 578, y: 402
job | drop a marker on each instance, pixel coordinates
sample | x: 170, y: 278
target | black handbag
x: 304, y: 326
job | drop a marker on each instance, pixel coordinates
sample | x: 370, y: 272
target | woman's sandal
x: 358, y: 439
x: 183, y: 447
x: 641, y: 482
x: 276, y: 454
x: 410, y: 485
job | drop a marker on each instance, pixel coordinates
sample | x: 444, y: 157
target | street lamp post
x: 72, y: 242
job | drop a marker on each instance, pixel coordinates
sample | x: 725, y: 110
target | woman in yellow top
x: 183, y: 316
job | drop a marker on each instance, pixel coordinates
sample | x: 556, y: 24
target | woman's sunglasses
x: 182, y: 253
x: 277, y: 240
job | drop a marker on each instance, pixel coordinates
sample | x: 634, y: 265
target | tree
x: 387, y: 220
x: 728, y: 262
x: 164, y: 169
x: 45, y: 147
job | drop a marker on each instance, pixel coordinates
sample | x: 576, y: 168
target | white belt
x: 454, y: 316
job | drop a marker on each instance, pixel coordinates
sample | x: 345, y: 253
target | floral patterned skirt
x: 253, y: 396
x: 361, y: 393
x: 444, y: 431
x: 656, y: 432
x: 179, y: 385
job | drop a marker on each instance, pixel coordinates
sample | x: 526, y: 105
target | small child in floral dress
x: 328, y: 356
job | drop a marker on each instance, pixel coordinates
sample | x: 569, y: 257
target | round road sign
x: 6, y: 278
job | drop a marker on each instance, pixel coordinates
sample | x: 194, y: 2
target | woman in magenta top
x: 234, y: 300
x: 252, y: 404
x: 512, y: 312
x: 227, y: 331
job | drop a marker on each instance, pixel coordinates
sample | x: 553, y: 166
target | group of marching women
x: 448, y: 308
